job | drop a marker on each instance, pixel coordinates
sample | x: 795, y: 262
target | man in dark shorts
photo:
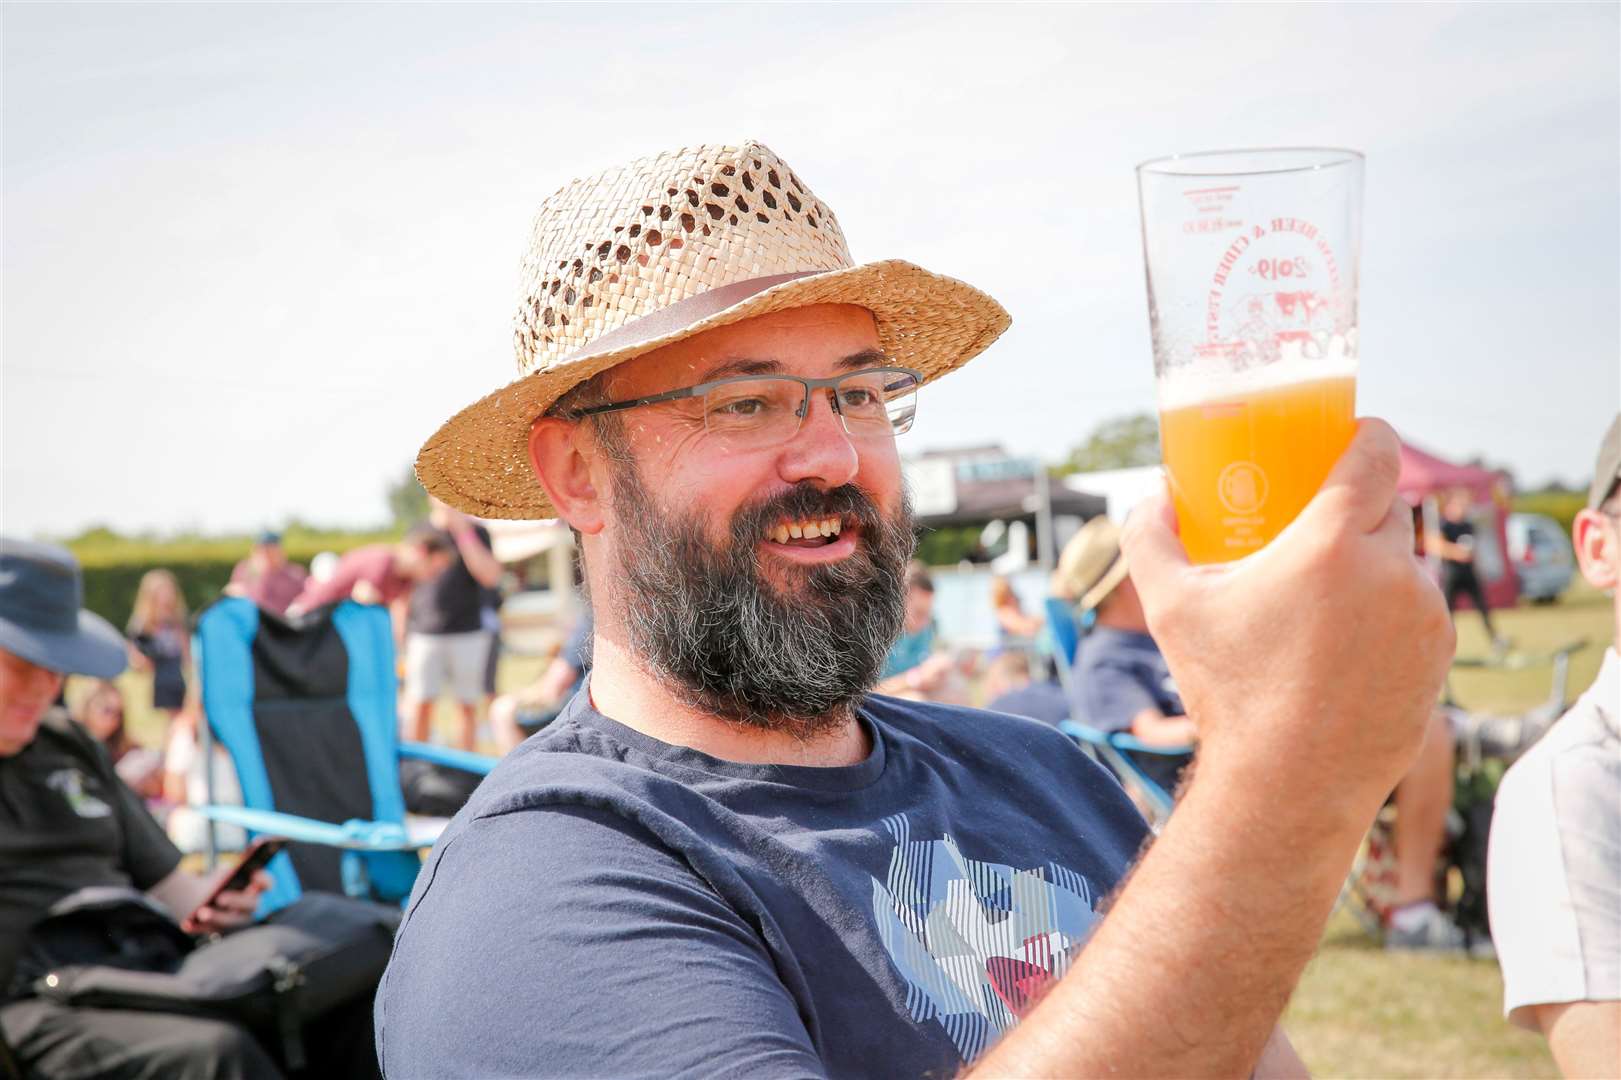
x: 1454, y: 542
x: 68, y: 823
x: 447, y: 644
x: 726, y: 857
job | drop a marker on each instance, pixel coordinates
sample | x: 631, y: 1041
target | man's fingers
x: 1150, y: 544
x: 1360, y: 487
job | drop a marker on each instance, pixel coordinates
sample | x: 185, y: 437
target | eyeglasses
x: 757, y: 411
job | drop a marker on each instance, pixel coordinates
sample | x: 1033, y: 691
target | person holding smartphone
x: 67, y: 822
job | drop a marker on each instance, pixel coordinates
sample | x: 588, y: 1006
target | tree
x: 407, y: 500
x: 1124, y: 442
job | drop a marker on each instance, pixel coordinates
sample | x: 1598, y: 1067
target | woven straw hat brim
x: 478, y: 461
x: 1106, y: 585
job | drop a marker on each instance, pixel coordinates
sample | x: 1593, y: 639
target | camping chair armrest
x: 466, y: 760
x: 1083, y: 733
x: 1123, y: 741
x: 353, y: 835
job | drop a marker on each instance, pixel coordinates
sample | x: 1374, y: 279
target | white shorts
x: 432, y: 660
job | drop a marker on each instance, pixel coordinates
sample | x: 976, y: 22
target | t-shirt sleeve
x: 567, y: 942
x: 1552, y: 870
x: 1112, y: 692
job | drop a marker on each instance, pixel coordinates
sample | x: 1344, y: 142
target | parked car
x: 1542, y: 557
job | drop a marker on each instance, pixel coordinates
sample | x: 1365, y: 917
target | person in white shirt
x: 1554, y: 867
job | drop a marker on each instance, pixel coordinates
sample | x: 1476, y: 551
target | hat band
x: 680, y: 315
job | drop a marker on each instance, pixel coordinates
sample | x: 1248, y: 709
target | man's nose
x: 821, y: 451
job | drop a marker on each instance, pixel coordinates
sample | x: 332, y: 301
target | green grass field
x: 1357, y: 1011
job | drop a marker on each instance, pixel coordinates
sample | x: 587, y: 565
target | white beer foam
x: 1185, y: 387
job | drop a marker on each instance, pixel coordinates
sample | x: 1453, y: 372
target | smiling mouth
x: 806, y: 532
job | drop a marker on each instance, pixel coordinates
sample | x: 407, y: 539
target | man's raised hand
x: 1310, y: 667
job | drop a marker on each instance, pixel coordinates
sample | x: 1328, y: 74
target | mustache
x: 751, y: 524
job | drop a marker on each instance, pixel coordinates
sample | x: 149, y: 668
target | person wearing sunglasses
x: 101, y: 712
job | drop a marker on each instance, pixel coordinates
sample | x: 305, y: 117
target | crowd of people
x: 751, y: 824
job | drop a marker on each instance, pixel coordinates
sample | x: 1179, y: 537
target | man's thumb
x: 1362, y: 484
x: 1152, y: 548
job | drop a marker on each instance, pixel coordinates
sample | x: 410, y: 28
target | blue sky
x: 254, y: 254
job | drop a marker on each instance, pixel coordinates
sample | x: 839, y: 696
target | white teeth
x: 780, y: 534
x: 837, y: 525
x: 795, y: 531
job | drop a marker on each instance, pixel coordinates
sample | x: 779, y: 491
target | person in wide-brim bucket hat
x: 644, y: 255
x: 42, y: 619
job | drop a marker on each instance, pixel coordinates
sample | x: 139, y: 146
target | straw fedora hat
x: 641, y: 256
x: 1091, y: 565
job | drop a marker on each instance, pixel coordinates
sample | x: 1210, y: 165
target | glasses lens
x: 754, y: 410
x: 883, y: 399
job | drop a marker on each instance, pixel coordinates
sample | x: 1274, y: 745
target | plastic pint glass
x: 1252, y: 269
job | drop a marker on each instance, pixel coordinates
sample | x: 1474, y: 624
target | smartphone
x: 254, y: 859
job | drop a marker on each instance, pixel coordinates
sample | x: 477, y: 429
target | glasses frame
x: 810, y: 385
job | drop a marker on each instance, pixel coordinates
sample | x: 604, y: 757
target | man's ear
x: 1598, y: 548
x: 564, y: 471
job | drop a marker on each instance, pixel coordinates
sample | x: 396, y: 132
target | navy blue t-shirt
x: 1118, y: 674
x: 611, y: 905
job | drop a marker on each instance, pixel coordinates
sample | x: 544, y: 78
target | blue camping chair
x: 1110, y: 747
x: 306, y: 710
x: 1113, y: 749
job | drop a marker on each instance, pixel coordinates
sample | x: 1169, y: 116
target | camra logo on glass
x: 1242, y: 488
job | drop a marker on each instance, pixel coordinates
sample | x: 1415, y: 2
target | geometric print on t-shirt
x: 977, y: 942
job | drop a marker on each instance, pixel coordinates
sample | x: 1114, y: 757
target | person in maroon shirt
x: 382, y: 574
x: 266, y: 577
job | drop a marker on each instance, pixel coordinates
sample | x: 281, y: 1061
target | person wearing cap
x: 1553, y: 880
x: 67, y: 822
x: 1122, y: 682
x: 266, y: 576
x: 726, y: 856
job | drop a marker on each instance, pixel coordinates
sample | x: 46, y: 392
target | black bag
x: 113, y: 948
x: 435, y: 790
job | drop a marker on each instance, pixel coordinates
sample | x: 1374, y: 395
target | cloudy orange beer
x: 1245, y: 455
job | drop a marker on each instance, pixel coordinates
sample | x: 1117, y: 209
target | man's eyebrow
x: 742, y: 366
x: 864, y: 358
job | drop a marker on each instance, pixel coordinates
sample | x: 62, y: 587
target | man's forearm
x: 1184, y: 981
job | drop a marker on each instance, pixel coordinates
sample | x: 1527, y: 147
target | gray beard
x: 728, y: 643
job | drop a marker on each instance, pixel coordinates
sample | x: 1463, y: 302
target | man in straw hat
x: 725, y: 856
